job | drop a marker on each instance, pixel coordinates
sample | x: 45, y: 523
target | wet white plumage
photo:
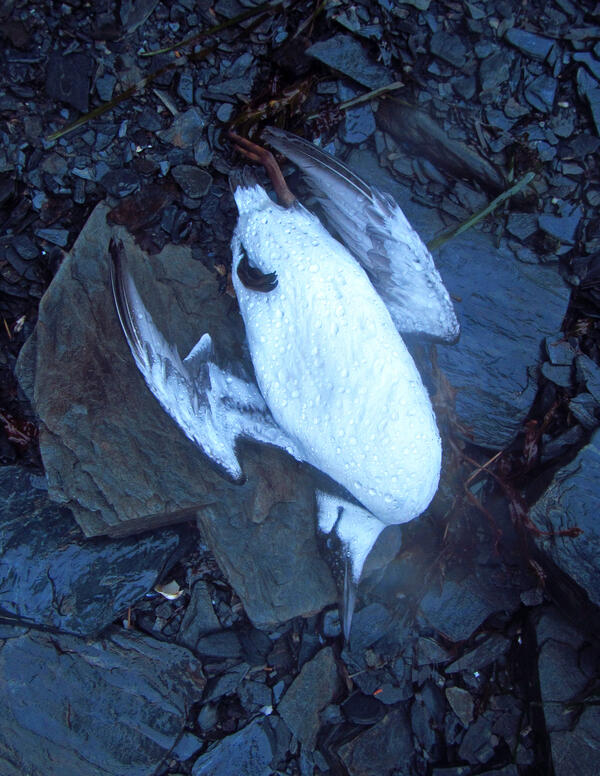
x: 330, y: 363
x: 337, y: 387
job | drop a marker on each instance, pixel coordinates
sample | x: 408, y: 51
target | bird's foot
x: 260, y: 155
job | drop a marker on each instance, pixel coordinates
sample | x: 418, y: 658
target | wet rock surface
x: 102, y: 707
x: 51, y: 576
x: 474, y: 648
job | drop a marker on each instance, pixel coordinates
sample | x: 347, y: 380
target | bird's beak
x: 348, y: 534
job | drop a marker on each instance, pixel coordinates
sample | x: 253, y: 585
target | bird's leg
x: 259, y: 154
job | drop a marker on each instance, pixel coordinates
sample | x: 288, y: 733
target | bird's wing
x: 211, y: 406
x: 374, y: 229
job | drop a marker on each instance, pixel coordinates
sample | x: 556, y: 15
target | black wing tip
x: 118, y: 278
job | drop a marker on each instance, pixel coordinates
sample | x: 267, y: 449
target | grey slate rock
x: 501, y: 329
x: 194, y: 182
x: 448, y: 47
x: 589, y: 89
x: 564, y: 677
x: 223, y: 644
x: 462, y: 606
x: 147, y: 472
x: 105, y: 86
x: 245, y: 753
x: 52, y: 577
x: 227, y: 683
x: 368, y: 625
x: 461, y: 702
x: 68, y: 79
x: 102, y: 708
x: 359, y: 123
x: 592, y: 64
x: 199, y: 619
x: 588, y: 372
x: 572, y: 501
x: 53, y: 235
x: 580, y: 745
x: 585, y: 408
x: 185, y: 130
x: 559, y: 350
x: 540, y: 93
x: 379, y: 750
x: 225, y: 112
x: 429, y: 652
x: 563, y: 228
x: 347, y: 55
x: 534, y: 46
x: 315, y: 687
x: 121, y: 183
x: 185, y: 86
x: 485, y: 653
x: 476, y: 747
x: 187, y: 746
x: 522, y: 225
x: 495, y: 69
x: 558, y: 374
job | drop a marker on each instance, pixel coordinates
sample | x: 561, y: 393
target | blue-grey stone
x: 311, y: 691
x: 540, y: 93
x: 482, y: 655
x: 185, y: 86
x: 225, y: 112
x: 495, y: 69
x: 194, y: 182
x: 589, y: 89
x: 107, y: 707
x: 185, y: 129
x: 52, y: 577
x: 381, y: 748
x: 585, y: 410
x: 529, y: 43
x: 359, y: 123
x: 448, y: 47
x: 245, y: 753
x: 348, y: 56
x: 572, y: 502
x: 592, y: 64
x: 105, y: 86
x: 561, y: 227
x: 522, y: 225
x: 559, y: 374
x: 559, y: 350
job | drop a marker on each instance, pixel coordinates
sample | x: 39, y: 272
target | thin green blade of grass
x: 137, y: 87
x: 265, y: 8
x: 366, y: 97
x: 442, y: 239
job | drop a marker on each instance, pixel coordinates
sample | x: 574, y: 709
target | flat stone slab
x: 122, y: 465
x: 51, y: 576
x: 572, y: 502
x: 102, y: 708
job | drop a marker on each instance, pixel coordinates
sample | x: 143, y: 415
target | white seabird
x: 335, y: 384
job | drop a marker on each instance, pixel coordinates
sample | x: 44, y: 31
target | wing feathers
x: 376, y: 232
x: 212, y: 407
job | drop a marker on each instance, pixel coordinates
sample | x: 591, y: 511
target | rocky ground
x: 156, y: 619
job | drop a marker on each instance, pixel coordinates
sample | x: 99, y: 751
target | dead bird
x: 335, y: 384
